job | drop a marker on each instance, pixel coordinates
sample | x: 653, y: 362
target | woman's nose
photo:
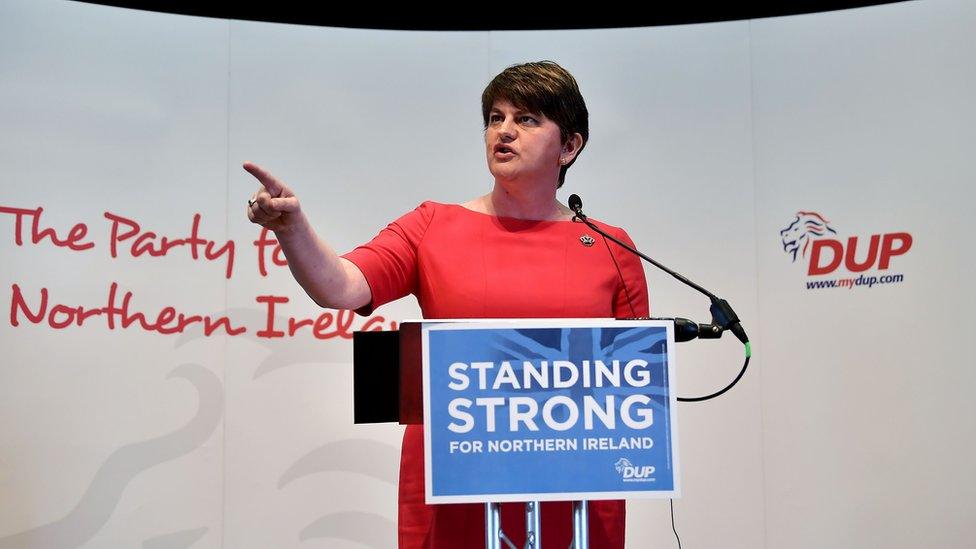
x: 506, y: 128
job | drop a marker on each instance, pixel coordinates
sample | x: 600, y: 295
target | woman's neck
x: 531, y: 204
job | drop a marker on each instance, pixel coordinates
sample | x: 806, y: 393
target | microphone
x: 576, y: 204
x: 723, y: 317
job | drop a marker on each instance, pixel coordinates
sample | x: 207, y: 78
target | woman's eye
x: 524, y: 119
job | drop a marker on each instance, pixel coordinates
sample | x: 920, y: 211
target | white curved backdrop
x: 852, y: 429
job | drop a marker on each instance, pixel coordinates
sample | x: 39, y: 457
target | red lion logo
x: 806, y: 227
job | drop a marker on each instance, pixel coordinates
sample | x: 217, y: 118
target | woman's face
x: 522, y: 146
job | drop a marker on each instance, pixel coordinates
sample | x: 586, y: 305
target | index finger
x: 270, y: 182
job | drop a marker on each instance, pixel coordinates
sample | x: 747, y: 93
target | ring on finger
x: 251, y: 202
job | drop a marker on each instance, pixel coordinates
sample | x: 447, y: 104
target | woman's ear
x: 571, y: 148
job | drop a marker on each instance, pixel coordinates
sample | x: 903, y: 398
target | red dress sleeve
x: 389, y: 260
x: 630, y: 301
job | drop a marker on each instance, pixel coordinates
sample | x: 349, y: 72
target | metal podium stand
x: 495, y: 536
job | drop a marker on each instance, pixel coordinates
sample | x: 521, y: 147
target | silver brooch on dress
x: 587, y: 240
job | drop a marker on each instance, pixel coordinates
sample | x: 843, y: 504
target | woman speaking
x: 512, y: 253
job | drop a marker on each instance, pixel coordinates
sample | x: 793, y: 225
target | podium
x: 529, y: 410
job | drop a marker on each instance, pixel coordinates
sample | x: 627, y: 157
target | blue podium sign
x: 544, y: 410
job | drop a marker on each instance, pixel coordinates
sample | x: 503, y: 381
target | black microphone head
x: 575, y: 202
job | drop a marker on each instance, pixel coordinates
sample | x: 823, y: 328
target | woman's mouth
x: 503, y: 152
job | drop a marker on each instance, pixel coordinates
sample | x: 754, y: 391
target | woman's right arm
x: 331, y: 281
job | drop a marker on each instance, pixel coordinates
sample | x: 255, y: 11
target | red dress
x: 465, y: 264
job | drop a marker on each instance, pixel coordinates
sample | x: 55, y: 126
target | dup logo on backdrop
x: 810, y: 237
x: 568, y: 410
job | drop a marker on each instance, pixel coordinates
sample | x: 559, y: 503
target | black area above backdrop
x: 496, y: 17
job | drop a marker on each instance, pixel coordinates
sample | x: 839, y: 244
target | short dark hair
x: 542, y: 87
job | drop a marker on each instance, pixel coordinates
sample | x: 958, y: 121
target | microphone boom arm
x: 723, y: 317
